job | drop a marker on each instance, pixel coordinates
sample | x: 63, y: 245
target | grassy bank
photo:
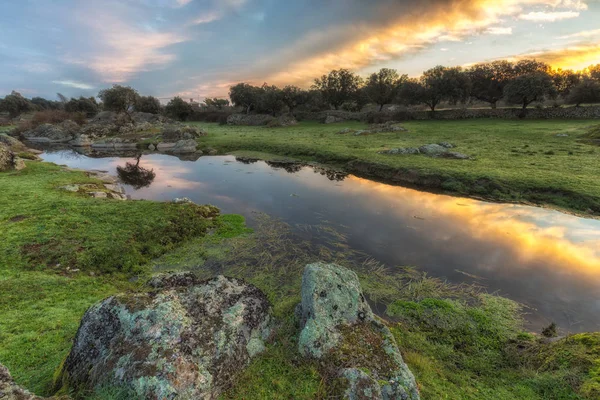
x: 60, y: 252
x: 514, y: 161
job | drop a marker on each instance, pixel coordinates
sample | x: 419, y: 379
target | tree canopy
x: 382, y: 87
x: 148, y: 104
x: 120, y: 99
x: 178, y: 109
x: 338, y: 87
x: 529, y: 88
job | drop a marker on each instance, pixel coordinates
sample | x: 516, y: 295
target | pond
x: 547, y: 260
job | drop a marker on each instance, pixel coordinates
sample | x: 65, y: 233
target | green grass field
x: 517, y: 161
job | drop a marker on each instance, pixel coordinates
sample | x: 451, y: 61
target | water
x: 545, y: 259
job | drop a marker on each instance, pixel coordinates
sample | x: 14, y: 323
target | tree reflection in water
x: 136, y: 176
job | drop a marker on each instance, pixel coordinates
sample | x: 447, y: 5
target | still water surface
x: 545, y: 259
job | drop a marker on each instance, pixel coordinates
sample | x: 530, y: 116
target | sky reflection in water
x: 545, y: 259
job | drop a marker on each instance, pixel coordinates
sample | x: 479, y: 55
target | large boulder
x: 48, y: 133
x: 175, y: 133
x: 332, y: 119
x: 7, y: 158
x: 339, y: 328
x: 9, y: 390
x: 12, y: 143
x: 186, y: 339
x: 249, y: 119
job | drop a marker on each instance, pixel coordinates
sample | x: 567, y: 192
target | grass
x: 515, y: 161
x: 61, y: 252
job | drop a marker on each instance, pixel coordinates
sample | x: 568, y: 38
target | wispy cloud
x: 583, y: 34
x: 122, y: 49
x: 541, y: 16
x: 206, y: 18
x: 219, y: 10
x: 575, y: 57
x: 498, y: 30
x: 74, y: 84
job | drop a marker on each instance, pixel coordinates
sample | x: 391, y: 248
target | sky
x: 198, y: 48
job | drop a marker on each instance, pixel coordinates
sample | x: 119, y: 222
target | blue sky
x: 198, y: 48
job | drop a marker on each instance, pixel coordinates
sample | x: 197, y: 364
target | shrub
x: 56, y: 117
x: 210, y: 116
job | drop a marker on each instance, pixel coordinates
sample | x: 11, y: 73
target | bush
x: 56, y: 117
x: 210, y: 116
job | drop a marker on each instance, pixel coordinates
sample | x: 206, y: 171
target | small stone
x: 151, y: 147
x: 70, y: 188
x: 98, y: 195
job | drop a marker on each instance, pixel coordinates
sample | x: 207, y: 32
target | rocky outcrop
x: 441, y: 150
x: 7, y: 158
x: 339, y: 328
x: 48, y: 133
x: 179, y: 147
x: 9, y: 390
x: 175, y: 133
x: 185, y: 339
x: 249, y: 119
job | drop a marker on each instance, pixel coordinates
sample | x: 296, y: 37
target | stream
x: 547, y: 260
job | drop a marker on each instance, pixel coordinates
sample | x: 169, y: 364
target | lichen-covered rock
x: 249, y: 119
x: 401, y: 151
x: 331, y: 296
x: 339, y: 327
x: 175, y: 133
x: 9, y: 390
x: 332, y: 119
x: 432, y: 149
x: 7, y: 158
x: 12, y: 143
x: 179, y: 147
x: 187, y: 339
x: 49, y: 133
x: 81, y: 141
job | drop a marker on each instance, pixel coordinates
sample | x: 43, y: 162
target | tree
x: 120, y: 99
x: 44, y: 104
x: 219, y: 104
x: 411, y: 92
x: 338, y: 87
x: 382, y: 87
x: 526, y: 66
x: 293, y: 96
x: 489, y: 79
x: 178, y: 109
x: 587, y: 91
x: 89, y: 106
x: 244, y: 95
x: 525, y: 89
x: 594, y: 72
x: 444, y: 84
x: 148, y: 104
x: 270, y: 100
x: 136, y: 176
x: 15, y: 104
x: 565, y: 80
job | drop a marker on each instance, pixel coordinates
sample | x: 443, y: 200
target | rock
x: 339, y: 328
x: 454, y: 155
x: 286, y: 120
x: 401, y: 151
x: 81, y: 141
x: 187, y: 339
x: 70, y: 127
x: 562, y: 135
x: 185, y: 146
x: 98, y: 195
x: 249, y: 119
x: 332, y: 119
x: 70, y: 188
x: 7, y: 158
x: 175, y: 133
x: 182, y: 200
x: 432, y: 149
x: 9, y: 390
x: 103, y: 176
x: 345, y: 131
x: 211, y: 151
x: 48, y: 133
x: 12, y: 143
x: 447, y: 145
x: 151, y: 147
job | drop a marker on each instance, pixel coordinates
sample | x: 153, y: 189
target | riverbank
x: 533, y: 162
x: 62, y: 252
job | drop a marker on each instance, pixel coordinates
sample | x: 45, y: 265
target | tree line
x: 518, y: 83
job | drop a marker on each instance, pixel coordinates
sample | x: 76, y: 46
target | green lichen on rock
x: 339, y: 327
x: 186, y: 339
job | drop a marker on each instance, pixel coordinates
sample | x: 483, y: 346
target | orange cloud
x: 421, y: 27
x: 577, y: 57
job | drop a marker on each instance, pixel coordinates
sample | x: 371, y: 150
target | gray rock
x: 175, y: 133
x: 9, y: 390
x: 48, y: 133
x: 249, y: 119
x: 12, y: 143
x: 187, y: 339
x: 562, y: 135
x: 401, y: 151
x: 182, y: 200
x: 151, y: 147
x: 345, y: 131
x: 98, y: 195
x: 332, y: 119
x: 7, y: 158
x: 81, y: 141
x: 184, y: 146
x: 70, y: 188
x: 447, y: 145
x: 432, y: 149
x: 339, y: 327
